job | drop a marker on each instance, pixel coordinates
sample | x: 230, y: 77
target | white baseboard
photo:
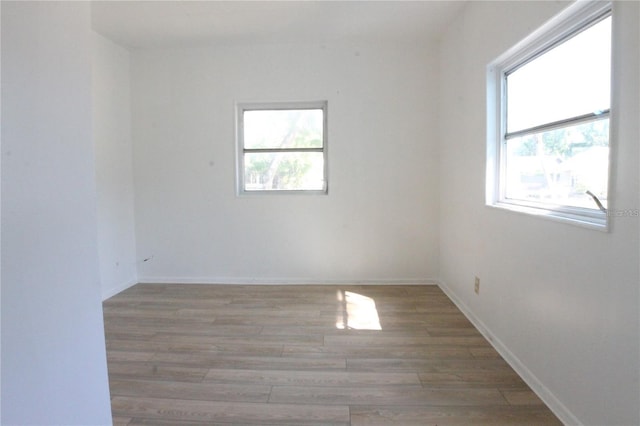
x: 558, y: 408
x: 110, y: 292
x: 283, y: 281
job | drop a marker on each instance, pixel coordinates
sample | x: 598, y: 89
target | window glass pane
x: 283, y: 129
x: 284, y: 171
x: 568, y: 81
x: 559, y: 166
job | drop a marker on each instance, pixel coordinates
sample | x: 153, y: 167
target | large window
x: 282, y: 147
x: 549, y: 107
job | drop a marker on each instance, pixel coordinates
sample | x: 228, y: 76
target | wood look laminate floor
x: 305, y: 355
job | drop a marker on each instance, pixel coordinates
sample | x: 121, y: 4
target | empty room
x: 320, y: 213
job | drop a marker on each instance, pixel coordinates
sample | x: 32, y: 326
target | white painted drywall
x: 114, y: 172
x: 0, y: 226
x: 560, y: 301
x: 54, y: 367
x: 379, y: 221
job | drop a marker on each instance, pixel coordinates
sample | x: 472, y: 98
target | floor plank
x: 311, y: 378
x: 451, y: 416
x: 522, y: 397
x: 233, y: 355
x: 121, y: 421
x: 231, y: 412
x: 215, y: 360
x: 196, y: 391
x: 385, y: 395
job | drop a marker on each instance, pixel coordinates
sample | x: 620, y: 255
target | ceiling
x: 149, y: 24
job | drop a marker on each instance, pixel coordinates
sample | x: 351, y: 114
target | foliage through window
x: 282, y: 147
x: 551, y: 125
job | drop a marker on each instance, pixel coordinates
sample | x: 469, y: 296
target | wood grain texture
x: 294, y: 355
x: 451, y: 415
x: 230, y: 412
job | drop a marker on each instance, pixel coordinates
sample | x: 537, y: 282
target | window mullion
x: 272, y: 150
x: 559, y: 124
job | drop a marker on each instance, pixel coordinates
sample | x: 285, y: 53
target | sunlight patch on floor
x: 356, y: 312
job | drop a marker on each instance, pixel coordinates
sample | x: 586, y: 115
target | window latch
x: 597, y: 201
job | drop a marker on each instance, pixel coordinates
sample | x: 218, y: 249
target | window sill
x: 598, y: 222
x: 270, y: 192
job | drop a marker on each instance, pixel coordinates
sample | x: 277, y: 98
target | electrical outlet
x: 476, y: 286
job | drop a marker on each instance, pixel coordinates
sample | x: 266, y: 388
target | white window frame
x: 241, y: 107
x: 570, y: 21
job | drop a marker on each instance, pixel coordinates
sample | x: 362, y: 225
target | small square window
x: 282, y: 147
x: 548, y: 119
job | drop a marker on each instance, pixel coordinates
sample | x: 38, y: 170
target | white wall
x: 560, y: 301
x: 379, y: 221
x: 53, y: 354
x: 0, y: 231
x: 114, y: 173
